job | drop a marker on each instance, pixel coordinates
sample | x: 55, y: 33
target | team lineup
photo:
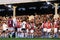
x: 22, y: 27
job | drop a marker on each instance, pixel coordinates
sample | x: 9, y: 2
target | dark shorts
x: 24, y: 30
x: 3, y: 31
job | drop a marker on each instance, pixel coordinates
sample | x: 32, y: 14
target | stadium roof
x: 22, y: 1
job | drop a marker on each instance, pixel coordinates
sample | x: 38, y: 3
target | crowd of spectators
x: 34, y: 26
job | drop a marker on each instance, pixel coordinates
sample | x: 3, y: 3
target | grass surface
x: 29, y: 38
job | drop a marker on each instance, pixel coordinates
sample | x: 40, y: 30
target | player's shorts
x: 18, y: 29
x: 44, y: 29
x: 49, y: 30
x: 10, y: 28
x: 55, y: 30
x: 59, y: 30
x: 31, y: 31
x: 27, y: 30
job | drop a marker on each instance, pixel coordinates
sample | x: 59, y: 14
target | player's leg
x: 55, y: 32
x: 44, y: 32
x: 48, y: 32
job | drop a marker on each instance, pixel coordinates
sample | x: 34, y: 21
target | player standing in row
x: 10, y: 24
x: 44, y: 26
x: 55, y: 27
x: 49, y: 27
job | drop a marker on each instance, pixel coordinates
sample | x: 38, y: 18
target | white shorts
x: 49, y: 30
x: 31, y: 31
x: 44, y: 29
x: 59, y: 30
x: 27, y: 30
x: 18, y: 29
x: 55, y: 30
x: 10, y: 28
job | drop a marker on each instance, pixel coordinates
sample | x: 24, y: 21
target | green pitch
x: 29, y: 38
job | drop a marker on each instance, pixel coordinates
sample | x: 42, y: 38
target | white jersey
x: 14, y: 22
x: 23, y: 24
x: 5, y: 26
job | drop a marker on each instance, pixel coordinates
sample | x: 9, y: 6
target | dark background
x: 29, y: 8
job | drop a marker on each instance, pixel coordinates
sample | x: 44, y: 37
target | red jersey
x: 44, y: 25
x: 55, y: 25
x: 48, y: 25
x: 27, y: 26
x: 18, y: 24
x: 32, y: 28
x: 10, y: 23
